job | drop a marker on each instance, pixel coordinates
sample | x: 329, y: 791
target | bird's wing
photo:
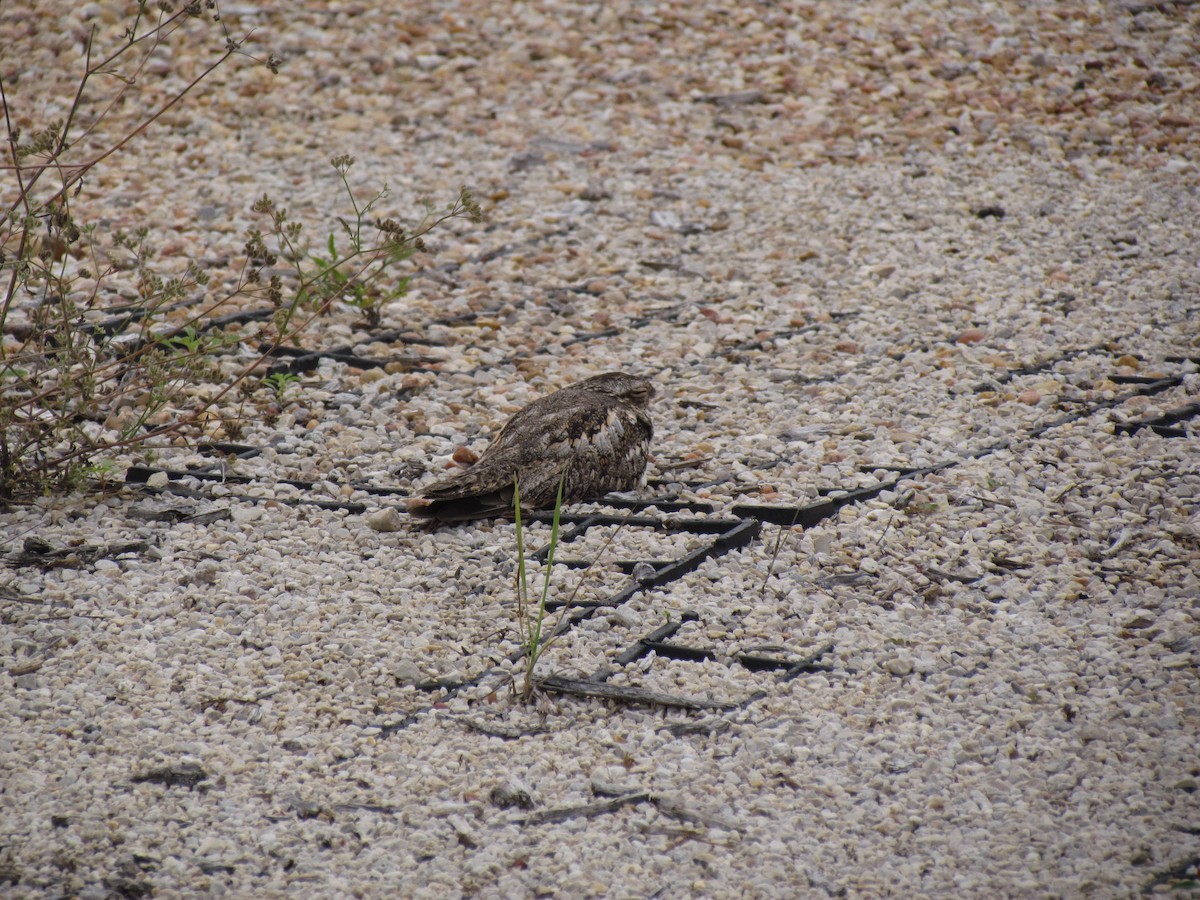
x: 590, y: 440
x: 493, y: 471
x: 547, y: 416
x: 484, y: 490
x: 559, y: 429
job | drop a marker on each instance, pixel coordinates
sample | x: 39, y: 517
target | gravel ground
x: 921, y: 277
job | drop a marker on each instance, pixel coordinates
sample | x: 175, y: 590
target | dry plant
x: 80, y: 380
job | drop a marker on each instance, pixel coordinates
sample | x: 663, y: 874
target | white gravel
x: 959, y: 235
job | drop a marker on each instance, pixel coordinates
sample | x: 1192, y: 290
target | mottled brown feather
x: 597, y: 432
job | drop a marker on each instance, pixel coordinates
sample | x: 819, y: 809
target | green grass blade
x: 522, y: 583
x: 536, y: 641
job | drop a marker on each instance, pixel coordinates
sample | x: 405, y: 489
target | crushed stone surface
x: 934, y: 264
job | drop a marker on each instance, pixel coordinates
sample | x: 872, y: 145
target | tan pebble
x: 370, y: 376
x: 709, y: 313
x: 414, y: 382
x: 118, y: 420
x: 465, y: 456
x: 971, y: 336
x: 1131, y: 362
x: 311, y: 424
x: 1030, y: 397
x: 846, y: 346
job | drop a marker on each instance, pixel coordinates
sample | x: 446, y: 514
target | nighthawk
x: 597, y: 432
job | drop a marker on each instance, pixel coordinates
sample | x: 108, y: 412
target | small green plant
x: 357, y: 276
x: 363, y: 293
x: 530, y: 621
x: 337, y: 283
x: 278, y: 383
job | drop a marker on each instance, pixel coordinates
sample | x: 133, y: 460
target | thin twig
x: 783, y: 530
x: 685, y: 464
x: 586, y: 811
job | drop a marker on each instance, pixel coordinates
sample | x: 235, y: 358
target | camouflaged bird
x: 597, y: 431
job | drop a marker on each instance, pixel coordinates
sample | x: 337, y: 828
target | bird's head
x: 630, y: 388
